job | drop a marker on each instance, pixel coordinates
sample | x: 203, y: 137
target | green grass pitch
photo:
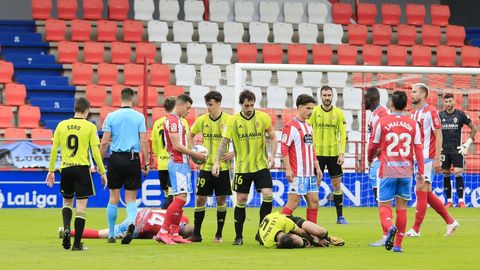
x: 29, y: 240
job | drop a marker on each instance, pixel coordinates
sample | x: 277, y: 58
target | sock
x: 386, y: 216
x: 436, y: 204
x: 287, y: 211
x: 420, y: 210
x: 338, y: 200
x: 198, y: 220
x: 312, y: 215
x: 131, y: 212
x: 167, y: 202
x: 459, y: 186
x: 239, y: 216
x: 401, y: 224
x: 266, y: 207
x: 79, y: 226
x: 221, y: 215
x: 87, y: 233
x: 384, y: 229
x: 67, y: 216
x: 173, y: 215
x: 112, y: 218
x: 447, y: 186
x: 375, y: 193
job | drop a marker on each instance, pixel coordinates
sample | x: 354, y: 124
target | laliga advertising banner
x: 27, y: 189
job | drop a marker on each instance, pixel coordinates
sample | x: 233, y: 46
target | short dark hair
x: 127, y: 94
x: 184, y: 98
x: 169, y: 103
x: 246, y: 95
x: 305, y: 99
x: 325, y: 88
x: 422, y: 87
x: 373, y: 93
x: 215, y: 95
x: 286, y: 241
x: 448, y: 95
x: 81, y: 105
x: 399, y: 100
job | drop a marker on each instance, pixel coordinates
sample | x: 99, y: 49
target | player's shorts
x: 373, y: 173
x: 207, y: 183
x: 455, y: 159
x: 391, y: 187
x: 124, y: 171
x: 164, y: 178
x: 429, y: 170
x: 243, y: 181
x: 303, y: 185
x: 180, y: 177
x: 334, y: 169
x: 76, y: 180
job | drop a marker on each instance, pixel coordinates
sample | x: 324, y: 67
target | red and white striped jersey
x: 174, y: 125
x: 149, y: 221
x: 378, y: 113
x: 297, y: 143
x: 428, y: 119
x: 397, y: 135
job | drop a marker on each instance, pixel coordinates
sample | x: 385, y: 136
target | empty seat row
x: 91, y: 9
x: 28, y: 116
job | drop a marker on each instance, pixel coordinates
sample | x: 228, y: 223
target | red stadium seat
x: 247, y: 53
x: 104, y: 111
x: 106, y: 31
x: 273, y: 115
x: 120, y: 52
x: 15, y: 135
x: 391, y: 14
x: 145, y: 49
x: 287, y: 115
x: 421, y: 56
x: 55, y: 30
x: 41, y: 9
x: 474, y: 117
x: 382, y: 34
x: 96, y: 94
x: 133, y: 74
x: 361, y: 79
x: 157, y: 113
x: 455, y: 35
x: 431, y: 35
x: 347, y: 54
x: 159, y: 74
x: 118, y: 10
x: 446, y: 56
x: 272, y: 54
x: 415, y: 14
x: 472, y: 164
x: 297, y: 54
x: 433, y: 97
x: 6, y: 72
x: 152, y: 96
x: 357, y: 34
x: 81, y: 73
x: 407, y: 35
x: 15, y: 94
x: 473, y: 101
x: 372, y: 55
x: 366, y: 13
x: 387, y: 80
x: 115, y: 93
x: 107, y: 74
x: 397, y: 55
x: 437, y: 81
x: 28, y: 116
x: 439, y: 14
x: 470, y: 56
x: 461, y: 81
x: 192, y: 116
x: 172, y: 90
x: 410, y: 79
x: 92, y: 9
x: 41, y: 136
x: 341, y: 13
x: 132, y: 31
x: 93, y: 52
x: 6, y: 117
x: 67, y: 9
x: 80, y: 30
x: 67, y: 52
x: 322, y: 54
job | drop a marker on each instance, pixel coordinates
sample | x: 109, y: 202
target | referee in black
x: 127, y: 130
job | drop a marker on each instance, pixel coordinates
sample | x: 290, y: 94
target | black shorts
x: 164, y: 178
x: 76, y: 180
x: 123, y: 171
x: 243, y: 181
x: 452, y: 159
x: 207, y: 183
x: 334, y: 169
x: 297, y: 220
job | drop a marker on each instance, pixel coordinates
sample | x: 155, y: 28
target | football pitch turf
x: 29, y: 240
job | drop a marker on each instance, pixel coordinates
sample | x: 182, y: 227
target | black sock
x: 375, y: 193
x: 67, y: 217
x: 265, y: 208
x: 79, y: 226
x: 167, y: 202
x: 447, y: 186
x: 338, y: 199
x: 221, y: 215
x: 459, y: 186
x: 198, y: 220
x: 239, y: 215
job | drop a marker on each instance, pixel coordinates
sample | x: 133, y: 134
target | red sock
x: 385, y: 230
x: 386, y: 216
x: 312, y: 215
x: 401, y: 224
x: 287, y: 211
x: 420, y: 210
x: 174, y: 213
x: 436, y: 204
x: 87, y: 233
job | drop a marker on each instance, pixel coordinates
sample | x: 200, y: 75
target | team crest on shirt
x: 308, y: 139
x: 284, y: 138
x: 173, y: 127
x: 257, y: 124
x: 455, y: 120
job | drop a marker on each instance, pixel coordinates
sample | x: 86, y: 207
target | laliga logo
x: 2, y: 198
x: 40, y: 200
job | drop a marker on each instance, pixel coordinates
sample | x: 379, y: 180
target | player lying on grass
x: 286, y: 231
x: 147, y: 224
